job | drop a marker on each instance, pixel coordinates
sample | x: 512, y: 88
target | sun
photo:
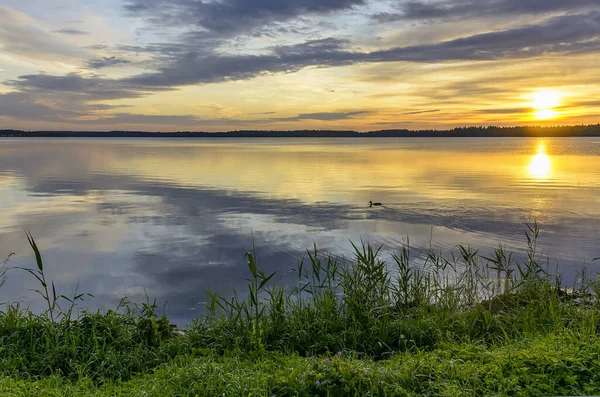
x: 544, y: 102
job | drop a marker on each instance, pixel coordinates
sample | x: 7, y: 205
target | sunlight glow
x: 544, y: 102
x: 545, y: 114
x: 540, y: 166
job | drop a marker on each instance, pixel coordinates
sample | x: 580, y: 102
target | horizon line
x: 405, y: 130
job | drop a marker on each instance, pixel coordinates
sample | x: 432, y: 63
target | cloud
x: 570, y: 34
x: 105, y: 62
x: 504, y: 111
x: 22, y: 106
x: 68, y: 105
x: 563, y: 35
x: 592, y: 103
x: 25, y: 106
x: 71, y: 97
x: 74, y: 97
x: 72, y: 32
x: 421, y: 10
x: 392, y: 123
x: 148, y: 119
x: 23, y: 36
x: 205, y: 59
x: 579, y: 104
x: 423, y: 111
x: 193, y: 67
x: 230, y: 16
x: 103, y: 106
x: 384, y: 95
x: 97, y: 47
x: 312, y: 47
x: 33, y: 107
x: 324, y: 116
x: 558, y: 35
x: 85, y: 88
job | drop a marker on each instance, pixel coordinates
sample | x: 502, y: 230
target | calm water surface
x: 176, y: 216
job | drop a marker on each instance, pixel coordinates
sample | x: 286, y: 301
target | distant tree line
x: 592, y: 130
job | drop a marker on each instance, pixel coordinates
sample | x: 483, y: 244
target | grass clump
x: 113, y: 346
x: 100, y: 346
x: 459, y: 324
x: 378, y: 309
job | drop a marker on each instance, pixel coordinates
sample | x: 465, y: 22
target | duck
x: 372, y: 204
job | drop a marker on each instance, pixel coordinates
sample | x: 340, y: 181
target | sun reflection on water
x: 540, y: 166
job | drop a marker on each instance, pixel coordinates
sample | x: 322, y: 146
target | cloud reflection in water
x: 177, y: 217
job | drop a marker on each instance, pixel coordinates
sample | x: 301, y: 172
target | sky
x: 218, y: 65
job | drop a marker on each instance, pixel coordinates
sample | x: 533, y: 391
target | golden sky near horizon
x: 335, y: 64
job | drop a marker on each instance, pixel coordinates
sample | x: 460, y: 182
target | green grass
x: 557, y: 364
x: 465, y: 323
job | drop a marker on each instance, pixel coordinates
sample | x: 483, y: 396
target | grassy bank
x: 463, y: 323
x: 556, y: 364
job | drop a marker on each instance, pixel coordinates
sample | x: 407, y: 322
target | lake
x: 175, y: 217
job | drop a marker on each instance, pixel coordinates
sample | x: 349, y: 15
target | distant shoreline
x: 464, y: 132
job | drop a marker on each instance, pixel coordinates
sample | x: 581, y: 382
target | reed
x: 379, y: 309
